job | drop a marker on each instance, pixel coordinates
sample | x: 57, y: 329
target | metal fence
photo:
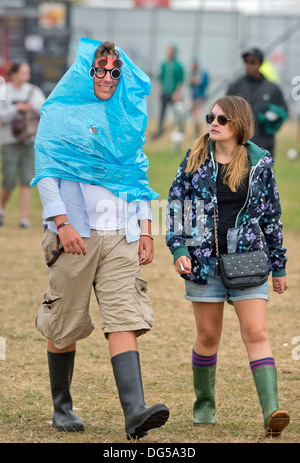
x: 215, y: 37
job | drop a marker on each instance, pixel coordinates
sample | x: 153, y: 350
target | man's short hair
x: 105, y: 49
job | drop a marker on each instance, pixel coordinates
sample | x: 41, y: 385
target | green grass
x: 162, y: 170
x: 287, y: 174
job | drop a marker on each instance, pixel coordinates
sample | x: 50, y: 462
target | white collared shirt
x: 60, y: 196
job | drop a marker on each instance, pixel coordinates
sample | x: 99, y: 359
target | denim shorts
x: 214, y: 291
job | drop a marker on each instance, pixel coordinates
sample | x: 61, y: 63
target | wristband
x: 147, y: 234
x: 62, y: 225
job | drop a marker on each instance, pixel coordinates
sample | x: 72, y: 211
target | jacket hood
x: 256, y: 154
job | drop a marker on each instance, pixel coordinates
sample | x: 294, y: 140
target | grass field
x: 25, y: 403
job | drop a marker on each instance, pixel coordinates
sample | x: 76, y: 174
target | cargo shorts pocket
x: 144, y: 303
x: 47, y: 320
x: 49, y: 244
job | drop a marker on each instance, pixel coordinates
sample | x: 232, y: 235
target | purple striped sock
x: 259, y: 363
x: 203, y: 361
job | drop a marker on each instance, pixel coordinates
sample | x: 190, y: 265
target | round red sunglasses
x: 117, y: 63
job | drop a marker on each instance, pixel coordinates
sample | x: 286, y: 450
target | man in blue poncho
x: 91, y: 174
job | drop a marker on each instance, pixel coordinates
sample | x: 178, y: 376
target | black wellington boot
x: 61, y: 371
x: 138, y: 417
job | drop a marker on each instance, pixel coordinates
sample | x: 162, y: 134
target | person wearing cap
x: 91, y: 174
x: 266, y: 99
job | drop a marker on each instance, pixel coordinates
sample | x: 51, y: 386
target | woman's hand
x: 25, y: 107
x: 183, y: 265
x: 279, y: 284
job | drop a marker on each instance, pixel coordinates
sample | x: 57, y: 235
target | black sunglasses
x: 222, y: 119
x: 101, y: 72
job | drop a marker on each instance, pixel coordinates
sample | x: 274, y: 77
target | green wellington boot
x: 204, y: 386
x: 275, y: 419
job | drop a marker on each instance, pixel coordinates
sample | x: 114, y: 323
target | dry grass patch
x: 25, y: 403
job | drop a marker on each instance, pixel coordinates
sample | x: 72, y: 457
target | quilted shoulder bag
x: 242, y: 269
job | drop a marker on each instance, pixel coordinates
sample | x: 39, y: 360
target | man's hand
x: 71, y: 241
x: 146, y: 250
x: 69, y: 238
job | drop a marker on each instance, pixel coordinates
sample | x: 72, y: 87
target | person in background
x: 18, y: 155
x: 171, y: 80
x: 266, y: 99
x: 229, y: 184
x: 199, y: 82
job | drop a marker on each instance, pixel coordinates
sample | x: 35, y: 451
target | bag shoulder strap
x: 216, y: 235
x: 31, y: 90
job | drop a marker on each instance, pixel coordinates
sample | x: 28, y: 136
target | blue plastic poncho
x: 111, y: 153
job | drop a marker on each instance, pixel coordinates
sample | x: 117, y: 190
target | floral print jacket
x: 192, y: 206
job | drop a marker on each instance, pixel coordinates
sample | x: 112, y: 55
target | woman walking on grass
x: 17, y: 156
x: 232, y: 179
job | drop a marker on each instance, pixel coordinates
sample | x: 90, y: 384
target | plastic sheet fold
x: 85, y: 139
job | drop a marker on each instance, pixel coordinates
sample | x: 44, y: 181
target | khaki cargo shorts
x: 111, y: 267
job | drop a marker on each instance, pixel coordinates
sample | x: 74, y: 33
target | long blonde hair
x: 238, y: 110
